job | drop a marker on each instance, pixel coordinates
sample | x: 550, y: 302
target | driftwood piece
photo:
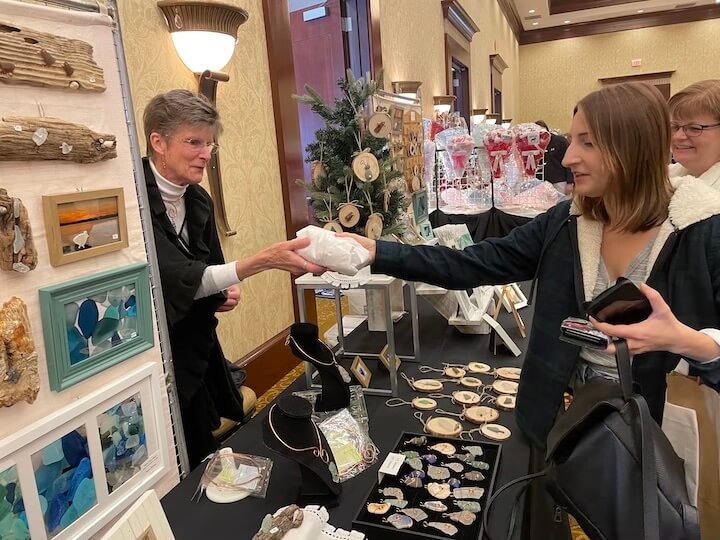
x: 18, y: 359
x: 17, y: 249
x: 25, y: 138
x: 39, y: 59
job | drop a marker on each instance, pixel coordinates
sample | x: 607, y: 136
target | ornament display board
x: 44, y: 159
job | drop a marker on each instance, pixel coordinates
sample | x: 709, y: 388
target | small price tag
x: 392, y: 464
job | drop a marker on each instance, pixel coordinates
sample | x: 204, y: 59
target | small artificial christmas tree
x: 354, y: 186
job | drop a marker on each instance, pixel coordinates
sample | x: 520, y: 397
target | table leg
x: 339, y: 317
x: 303, y: 318
x: 390, y: 330
x: 415, y: 323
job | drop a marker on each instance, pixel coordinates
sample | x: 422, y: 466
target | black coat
x: 686, y: 273
x: 205, y: 388
x: 553, y: 170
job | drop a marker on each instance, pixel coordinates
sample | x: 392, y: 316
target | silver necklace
x: 343, y: 372
x: 318, y: 451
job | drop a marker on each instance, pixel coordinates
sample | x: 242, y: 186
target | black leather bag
x: 611, y: 467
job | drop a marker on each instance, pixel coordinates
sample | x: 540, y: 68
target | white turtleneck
x: 215, y: 278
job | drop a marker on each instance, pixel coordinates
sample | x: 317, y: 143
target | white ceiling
x: 546, y: 20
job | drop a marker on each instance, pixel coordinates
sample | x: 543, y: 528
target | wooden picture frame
x: 25, y: 451
x: 383, y: 356
x: 71, y: 217
x: 361, y: 371
x: 112, y: 315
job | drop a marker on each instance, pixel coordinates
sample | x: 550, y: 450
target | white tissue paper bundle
x: 343, y: 255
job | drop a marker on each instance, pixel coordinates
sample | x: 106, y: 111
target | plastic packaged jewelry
x: 229, y: 477
x: 351, y: 445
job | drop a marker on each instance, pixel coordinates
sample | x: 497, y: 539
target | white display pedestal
x: 382, y: 284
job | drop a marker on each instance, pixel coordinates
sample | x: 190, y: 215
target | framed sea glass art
x: 94, y: 322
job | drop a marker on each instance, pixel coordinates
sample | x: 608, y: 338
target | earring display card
x: 459, y: 494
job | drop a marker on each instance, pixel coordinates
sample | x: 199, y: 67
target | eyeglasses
x: 692, y: 130
x: 198, y: 145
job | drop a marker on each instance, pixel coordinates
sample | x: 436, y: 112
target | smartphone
x: 623, y: 303
x: 581, y: 332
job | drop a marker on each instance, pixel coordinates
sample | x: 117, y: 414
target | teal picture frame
x: 94, y: 322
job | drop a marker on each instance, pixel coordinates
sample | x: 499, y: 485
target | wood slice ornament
x: 380, y: 125
x: 427, y: 385
x: 366, y: 167
x: 479, y: 367
x: 318, y: 173
x: 481, y: 414
x: 374, y: 226
x: 465, y: 397
x: 349, y: 215
x: 495, y: 432
x: 505, y: 402
x: 443, y: 427
x: 454, y: 372
x: 471, y: 382
x: 505, y: 387
x: 509, y: 373
x: 424, y: 404
x: 333, y: 226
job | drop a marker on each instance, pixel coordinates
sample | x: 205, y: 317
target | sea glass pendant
x: 397, y: 503
x: 453, y: 482
x: 468, y: 493
x: 438, y: 473
x: 410, y: 454
x: 417, y: 474
x: 415, y: 513
x: 400, y: 521
x: 415, y: 463
x: 430, y: 458
x: 378, y: 508
x: 464, y: 517
x: 393, y: 492
x: 412, y: 481
x: 439, y: 491
x: 444, y: 448
x: 454, y: 467
x: 435, y: 506
x: 474, y: 450
x: 417, y: 441
x: 474, y: 476
x: 468, y: 506
x: 481, y: 465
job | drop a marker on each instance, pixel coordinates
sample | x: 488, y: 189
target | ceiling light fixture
x: 535, y: 23
x: 641, y: 11
x: 566, y: 22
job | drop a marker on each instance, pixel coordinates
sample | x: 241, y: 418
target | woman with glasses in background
x: 695, y: 122
x: 180, y: 128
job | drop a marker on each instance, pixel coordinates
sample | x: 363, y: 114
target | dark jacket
x: 561, y: 250
x: 204, y: 384
x: 553, y: 170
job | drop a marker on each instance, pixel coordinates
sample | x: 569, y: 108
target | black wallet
x: 623, y: 303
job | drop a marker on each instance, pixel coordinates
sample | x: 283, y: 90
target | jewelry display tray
x: 375, y: 528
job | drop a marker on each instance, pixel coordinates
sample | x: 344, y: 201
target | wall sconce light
x: 506, y: 122
x: 443, y: 104
x: 478, y: 116
x: 409, y: 89
x: 492, y: 118
x: 204, y: 34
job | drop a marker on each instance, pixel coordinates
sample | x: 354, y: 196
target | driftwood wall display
x: 24, y: 138
x: 18, y: 359
x: 39, y: 59
x: 17, y: 249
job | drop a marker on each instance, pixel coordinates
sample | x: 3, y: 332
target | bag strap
x: 527, y: 479
x: 622, y: 359
x: 651, y: 513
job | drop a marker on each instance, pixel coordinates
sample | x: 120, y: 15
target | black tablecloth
x: 439, y: 343
x: 491, y: 223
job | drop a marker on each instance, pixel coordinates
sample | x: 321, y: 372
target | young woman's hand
x: 661, y: 331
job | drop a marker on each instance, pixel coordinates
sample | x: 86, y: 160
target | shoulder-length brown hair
x: 630, y: 124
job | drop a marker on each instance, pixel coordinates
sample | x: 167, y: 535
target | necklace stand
x: 306, y: 346
x: 287, y: 428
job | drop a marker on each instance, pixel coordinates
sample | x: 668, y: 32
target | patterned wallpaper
x: 413, y: 48
x: 556, y: 74
x: 250, y: 168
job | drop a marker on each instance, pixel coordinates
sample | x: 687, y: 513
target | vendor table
x: 440, y: 343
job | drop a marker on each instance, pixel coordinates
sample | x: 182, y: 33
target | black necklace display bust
x: 290, y: 431
x: 304, y: 344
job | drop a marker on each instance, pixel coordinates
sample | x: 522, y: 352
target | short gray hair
x: 167, y: 112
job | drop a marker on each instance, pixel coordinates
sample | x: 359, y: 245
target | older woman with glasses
x: 695, y: 115
x: 180, y: 128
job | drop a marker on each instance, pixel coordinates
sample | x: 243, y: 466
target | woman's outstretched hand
x: 283, y: 257
x: 364, y: 241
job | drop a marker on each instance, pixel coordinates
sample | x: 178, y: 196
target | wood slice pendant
x: 374, y: 227
x: 471, y: 382
x: 349, y: 215
x: 510, y: 373
x: 333, y: 226
x: 443, y: 427
x: 318, y: 173
x: 427, y: 385
x: 506, y: 403
x: 380, y: 125
x: 505, y: 387
x: 465, y: 397
x: 424, y: 403
x: 366, y: 167
x: 454, y: 372
x: 496, y: 432
x: 479, y: 367
x: 481, y: 414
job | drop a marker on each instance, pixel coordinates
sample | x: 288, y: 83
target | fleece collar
x: 693, y: 201
x: 711, y: 177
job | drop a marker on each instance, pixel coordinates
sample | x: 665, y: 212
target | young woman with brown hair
x: 626, y: 219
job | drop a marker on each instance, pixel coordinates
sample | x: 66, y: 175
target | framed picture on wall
x: 84, y: 224
x: 94, y: 322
